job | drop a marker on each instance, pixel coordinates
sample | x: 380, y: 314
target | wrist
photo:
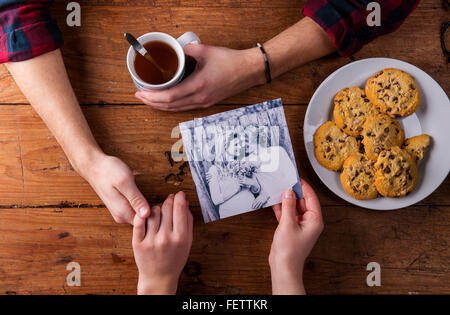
x: 287, y: 280
x: 85, y: 159
x: 255, y: 67
x: 162, y: 286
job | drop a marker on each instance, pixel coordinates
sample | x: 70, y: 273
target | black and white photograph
x: 241, y: 160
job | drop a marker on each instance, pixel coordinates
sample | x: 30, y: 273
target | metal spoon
x: 167, y: 75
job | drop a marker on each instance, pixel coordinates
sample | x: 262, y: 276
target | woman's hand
x: 162, y: 244
x: 220, y: 73
x: 300, y: 224
x: 113, y: 181
x: 261, y: 200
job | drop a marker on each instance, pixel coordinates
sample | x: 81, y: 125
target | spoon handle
x: 141, y: 50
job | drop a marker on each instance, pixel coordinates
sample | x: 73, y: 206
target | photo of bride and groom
x: 241, y: 160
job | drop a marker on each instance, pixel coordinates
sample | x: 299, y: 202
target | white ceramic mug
x: 176, y: 44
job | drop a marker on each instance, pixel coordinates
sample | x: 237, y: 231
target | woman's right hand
x: 300, y: 225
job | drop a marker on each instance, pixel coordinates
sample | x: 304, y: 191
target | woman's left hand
x: 220, y: 73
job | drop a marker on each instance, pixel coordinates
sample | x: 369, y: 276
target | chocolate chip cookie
x: 417, y: 146
x: 381, y: 132
x: 358, y: 177
x: 393, y: 92
x: 332, y: 146
x: 351, y: 109
x: 396, y: 173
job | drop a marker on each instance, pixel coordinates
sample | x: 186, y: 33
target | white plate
x: 432, y: 118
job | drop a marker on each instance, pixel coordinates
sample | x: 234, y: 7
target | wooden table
x: 49, y: 216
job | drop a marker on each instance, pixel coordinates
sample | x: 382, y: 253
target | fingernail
x: 143, y: 211
x: 289, y: 194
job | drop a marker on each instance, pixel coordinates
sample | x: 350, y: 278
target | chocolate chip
x: 328, y: 149
x: 328, y: 138
x: 386, y: 130
x: 366, y: 187
x: 344, y: 126
x: 412, y: 87
x: 387, y: 170
x: 391, y: 157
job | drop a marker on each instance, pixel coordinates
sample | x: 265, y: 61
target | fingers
x: 277, y: 211
x: 310, y: 204
x: 167, y: 213
x: 154, y: 220
x: 180, y: 92
x: 139, y: 226
x: 127, y: 187
x: 289, y: 207
x: 119, y: 207
x: 180, y: 214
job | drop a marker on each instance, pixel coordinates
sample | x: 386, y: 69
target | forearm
x: 299, y: 44
x: 44, y: 82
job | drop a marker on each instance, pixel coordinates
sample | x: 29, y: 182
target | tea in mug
x: 164, y: 55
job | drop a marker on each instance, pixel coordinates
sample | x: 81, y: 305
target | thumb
x: 135, y: 198
x: 288, y: 207
x: 197, y: 51
x: 138, y: 229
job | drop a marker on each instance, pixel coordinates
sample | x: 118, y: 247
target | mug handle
x: 188, y: 38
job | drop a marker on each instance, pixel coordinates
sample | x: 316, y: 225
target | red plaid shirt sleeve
x: 345, y: 21
x: 27, y: 30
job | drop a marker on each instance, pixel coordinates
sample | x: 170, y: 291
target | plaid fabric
x: 27, y: 30
x: 345, y: 20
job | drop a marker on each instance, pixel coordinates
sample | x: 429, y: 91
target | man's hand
x: 249, y: 183
x: 300, y: 224
x: 220, y: 73
x: 162, y: 244
x: 114, y: 183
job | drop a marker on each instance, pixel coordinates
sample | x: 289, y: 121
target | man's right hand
x: 114, y: 183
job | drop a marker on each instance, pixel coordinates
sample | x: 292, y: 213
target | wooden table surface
x: 49, y: 216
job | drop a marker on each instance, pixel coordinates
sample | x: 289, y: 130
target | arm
x: 221, y: 72
x: 45, y: 83
x: 219, y: 195
x: 30, y: 52
x: 300, y: 224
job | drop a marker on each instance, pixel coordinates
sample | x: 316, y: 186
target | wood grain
x: 95, y: 53
x: 138, y: 135
x: 230, y: 256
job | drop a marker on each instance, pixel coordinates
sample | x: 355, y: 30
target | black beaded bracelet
x: 266, y: 61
